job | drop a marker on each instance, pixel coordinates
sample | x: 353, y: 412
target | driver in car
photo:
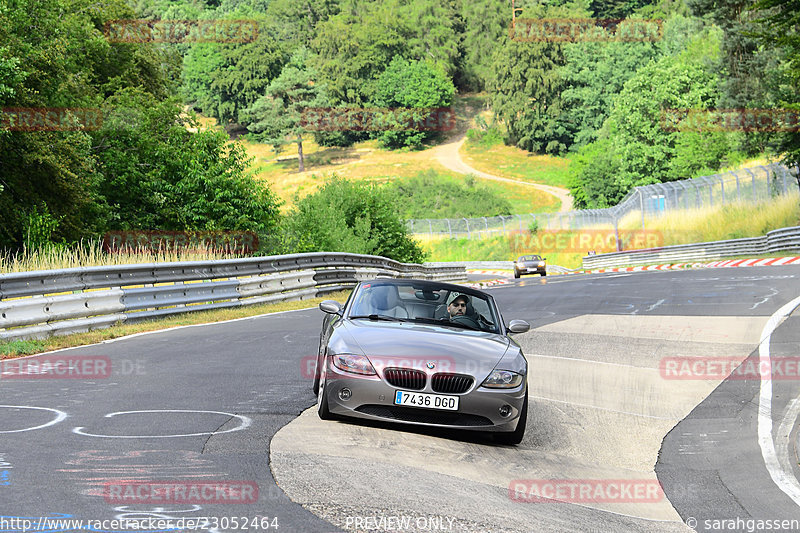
x: 458, y: 306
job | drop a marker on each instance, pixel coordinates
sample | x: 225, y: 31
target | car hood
x: 408, y: 345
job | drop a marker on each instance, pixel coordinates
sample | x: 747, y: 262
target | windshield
x: 530, y: 258
x: 424, y: 304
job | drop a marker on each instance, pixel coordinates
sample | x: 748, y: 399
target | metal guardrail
x: 56, y: 302
x: 779, y: 240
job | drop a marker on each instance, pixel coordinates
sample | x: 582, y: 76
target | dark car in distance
x: 530, y: 264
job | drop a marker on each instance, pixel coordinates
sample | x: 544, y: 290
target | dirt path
x: 448, y: 155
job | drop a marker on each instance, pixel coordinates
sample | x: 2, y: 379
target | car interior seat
x: 385, y: 300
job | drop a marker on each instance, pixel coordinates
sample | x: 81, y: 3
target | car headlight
x: 357, y: 364
x: 503, y: 379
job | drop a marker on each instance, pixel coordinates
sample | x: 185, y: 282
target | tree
x: 159, y: 175
x: 418, y: 87
x: 635, y: 147
x: 280, y: 113
x: 347, y: 216
x: 485, y: 24
x: 353, y: 47
x: 594, y: 74
x: 526, y: 95
x: 779, y: 23
x: 242, y: 74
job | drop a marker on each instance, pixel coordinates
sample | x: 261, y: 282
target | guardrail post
x: 753, y: 180
x: 738, y: 192
x: 449, y: 228
x: 722, y: 187
x: 469, y: 233
x: 641, y: 204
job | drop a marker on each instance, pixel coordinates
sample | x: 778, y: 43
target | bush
x: 347, y: 216
x: 431, y: 195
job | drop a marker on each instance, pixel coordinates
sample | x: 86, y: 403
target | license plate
x: 426, y: 401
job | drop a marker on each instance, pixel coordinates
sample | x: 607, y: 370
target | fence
x: 779, y: 240
x: 745, y: 185
x: 41, y: 303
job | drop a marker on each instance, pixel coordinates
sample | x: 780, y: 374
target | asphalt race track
x: 228, y: 404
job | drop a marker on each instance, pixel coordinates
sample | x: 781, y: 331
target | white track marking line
x: 245, y: 423
x: 784, y: 457
x: 786, y: 482
x: 60, y: 415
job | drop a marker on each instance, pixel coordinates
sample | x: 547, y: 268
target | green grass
x: 515, y: 163
x: 432, y: 194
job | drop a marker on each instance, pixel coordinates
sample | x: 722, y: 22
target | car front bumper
x: 372, y: 398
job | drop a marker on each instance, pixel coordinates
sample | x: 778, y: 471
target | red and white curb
x: 489, y: 283
x: 770, y: 261
x: 491, y: 272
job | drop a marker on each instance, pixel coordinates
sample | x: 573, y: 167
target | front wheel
x: 544, y: 274
x: 515, y: 437
x: 322, y: 400
x: 516, y: 274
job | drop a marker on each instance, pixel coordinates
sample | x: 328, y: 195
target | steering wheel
x: 464, y: 320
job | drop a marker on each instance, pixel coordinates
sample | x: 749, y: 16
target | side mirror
x: 332, y: 307
x: 518, y: 326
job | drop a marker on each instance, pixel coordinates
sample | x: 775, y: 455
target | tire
x: 322, y: 400
x: 516, y: 274
x: 544, y: 274
x: 515, y: 437
x: 315, y: 386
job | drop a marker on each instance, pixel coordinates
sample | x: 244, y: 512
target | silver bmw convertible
x: 425, y: 353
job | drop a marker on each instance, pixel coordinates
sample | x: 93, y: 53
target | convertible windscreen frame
x: 357, y: 309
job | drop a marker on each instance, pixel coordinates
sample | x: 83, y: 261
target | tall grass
x: 91, y: 253
x: 732, y: 221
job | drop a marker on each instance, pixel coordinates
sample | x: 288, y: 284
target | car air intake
x: 405, y: 378
x: 451, y: 383
x: 424, y: 416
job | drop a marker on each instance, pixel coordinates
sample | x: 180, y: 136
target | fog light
x: 345, y: 394
x: 505, y: 411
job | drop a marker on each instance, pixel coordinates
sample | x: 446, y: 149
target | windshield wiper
x: 380, y: 317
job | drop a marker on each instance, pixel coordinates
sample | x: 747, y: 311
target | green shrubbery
x: 348, y: 216
x: 431, y: 195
